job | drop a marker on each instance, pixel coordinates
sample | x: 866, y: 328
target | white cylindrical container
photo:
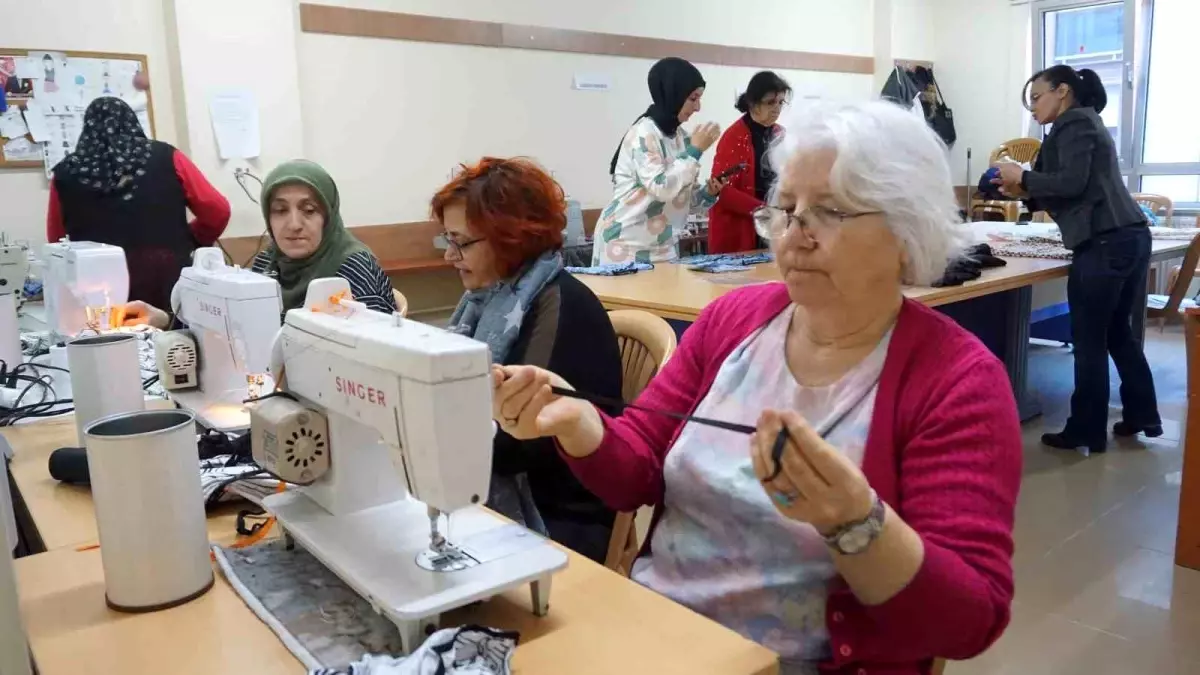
x: 60, y: 373
x: 10, y: 332
x: 106, y: 378
x: 145, y: 474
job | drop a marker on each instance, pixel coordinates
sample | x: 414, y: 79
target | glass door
x: 1168, y: 144
x: 1094, y: 35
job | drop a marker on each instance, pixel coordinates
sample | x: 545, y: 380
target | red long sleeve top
x: 210, y: 208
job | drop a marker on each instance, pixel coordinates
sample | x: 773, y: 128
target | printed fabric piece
x: 1032, y: 249
x: 655, y: 186
x: 721, y: 547
x: 1184, y: 233
x: 740, y: 259
x: 471, y: 650
x: 613, y: 270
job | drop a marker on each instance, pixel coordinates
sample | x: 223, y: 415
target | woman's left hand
x: 817, y: 484
x: 715, y: 185
x: 1010, y: 177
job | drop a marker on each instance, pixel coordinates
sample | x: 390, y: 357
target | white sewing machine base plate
x: 375, y: 550
x: 223, y: 412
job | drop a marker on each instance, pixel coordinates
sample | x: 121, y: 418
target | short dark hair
x: 762, y: 85
x: 513, y: 203
x: 1084, y: 84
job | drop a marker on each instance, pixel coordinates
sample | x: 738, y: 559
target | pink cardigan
x: 943, y: 450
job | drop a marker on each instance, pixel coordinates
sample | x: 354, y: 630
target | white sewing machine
x: 390, y: 430
x: 14, y: 267
x: 85, y: 283
x: 232, y: 315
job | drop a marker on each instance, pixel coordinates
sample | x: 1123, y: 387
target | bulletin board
x: 51, y: 89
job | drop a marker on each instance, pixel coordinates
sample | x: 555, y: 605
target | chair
x: 1158, y: 205
x: 1166, y: 308
x: 401, y: 302
x: 646, y: 342
x: 1018, y: 149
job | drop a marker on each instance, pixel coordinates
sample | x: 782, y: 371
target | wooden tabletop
x: 599, y: 622
x: 675, y: 292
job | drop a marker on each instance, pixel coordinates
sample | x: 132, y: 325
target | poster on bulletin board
x: 45, y: 95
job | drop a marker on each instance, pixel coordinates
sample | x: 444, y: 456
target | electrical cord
x: 240, y: 176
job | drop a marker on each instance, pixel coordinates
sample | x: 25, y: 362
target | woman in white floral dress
x: 655, y: 172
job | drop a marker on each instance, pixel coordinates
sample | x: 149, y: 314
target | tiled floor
x: 1097, y: 589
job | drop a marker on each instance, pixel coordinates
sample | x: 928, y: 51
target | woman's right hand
x: 705, y: 135
x: 525, y: 408
x: 138, y: 313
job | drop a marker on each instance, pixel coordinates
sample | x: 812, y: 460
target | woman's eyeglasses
x: 772, y: 222
x: 456, y: 248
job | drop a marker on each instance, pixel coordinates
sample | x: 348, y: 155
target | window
x: 1170, y: 139
x: 1147, y: 42
x: 1090, y: 36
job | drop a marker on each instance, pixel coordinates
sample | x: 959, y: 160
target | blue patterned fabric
x: 612, y: 270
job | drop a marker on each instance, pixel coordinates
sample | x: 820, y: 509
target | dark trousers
x: 1106, y: 273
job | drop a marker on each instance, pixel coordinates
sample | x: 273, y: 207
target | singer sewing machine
x: 387, y: 426
x: 85, y: 286
x: 222, y: 358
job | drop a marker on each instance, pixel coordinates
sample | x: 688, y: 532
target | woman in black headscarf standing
x: 119, y: 187
x: 655, y: 172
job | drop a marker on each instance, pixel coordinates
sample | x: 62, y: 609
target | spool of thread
x: 149, y: 509
x: 106, y: 378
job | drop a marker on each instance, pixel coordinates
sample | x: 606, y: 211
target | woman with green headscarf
x: 308, y: 241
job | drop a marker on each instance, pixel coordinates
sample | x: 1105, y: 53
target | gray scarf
x: 494, y: 316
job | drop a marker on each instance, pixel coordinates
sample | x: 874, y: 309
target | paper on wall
x: 12, y: 125
x: 35, y: 119
x: 235, y: 124
x: 64, y: 134
x: 29, y: 69
x: 144, y: 119
x: 22, y: 150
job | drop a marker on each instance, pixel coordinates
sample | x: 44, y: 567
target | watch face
x: 855, y: 540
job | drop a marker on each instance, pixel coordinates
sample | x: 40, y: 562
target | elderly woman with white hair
x: 866, y: 524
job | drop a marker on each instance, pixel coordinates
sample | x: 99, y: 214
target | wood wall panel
x: 419, y: 28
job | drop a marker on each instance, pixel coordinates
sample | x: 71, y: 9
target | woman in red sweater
x: 730, y: 222
x: 124, y: 189
x: 876, y: 535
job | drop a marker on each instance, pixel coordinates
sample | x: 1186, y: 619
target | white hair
x: 886, y: 159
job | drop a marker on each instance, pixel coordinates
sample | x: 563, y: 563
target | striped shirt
x: 368, y: 282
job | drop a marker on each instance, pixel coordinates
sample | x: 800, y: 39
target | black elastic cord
x: 776, y: 450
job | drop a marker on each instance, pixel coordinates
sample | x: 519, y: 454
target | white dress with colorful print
x: 721, y: 548
x: 655, y: 187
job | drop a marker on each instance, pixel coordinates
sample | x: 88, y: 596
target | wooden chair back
x: 647, y: 343
x: 1170, y: 312
x: 1158, y: 204
x: 401, y: 302
x: 1018, y: 149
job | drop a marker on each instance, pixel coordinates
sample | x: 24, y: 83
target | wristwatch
x: 854, y: 538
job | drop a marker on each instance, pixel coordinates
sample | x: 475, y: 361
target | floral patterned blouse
x: 655, y: 187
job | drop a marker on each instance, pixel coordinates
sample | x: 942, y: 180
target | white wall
x: 403, y: 114
x: 240, y: 44
x: 125, y: 26
x: 912, y: 29
x: 982, y: 61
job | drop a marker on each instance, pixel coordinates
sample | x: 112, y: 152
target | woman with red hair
x: 503, y: 221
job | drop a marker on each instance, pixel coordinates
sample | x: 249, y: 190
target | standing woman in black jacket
x: 1077, y: 180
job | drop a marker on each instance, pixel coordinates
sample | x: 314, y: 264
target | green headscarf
x: 336, y: 245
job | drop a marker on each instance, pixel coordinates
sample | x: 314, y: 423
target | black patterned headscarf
x: 112, y: 152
